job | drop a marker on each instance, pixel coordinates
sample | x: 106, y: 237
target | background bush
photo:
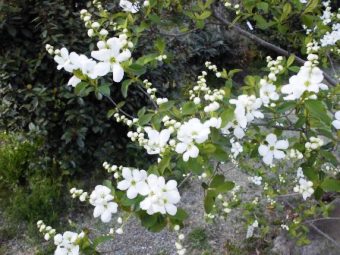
x: 52, y: 135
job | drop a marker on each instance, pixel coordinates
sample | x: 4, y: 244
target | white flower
x: 101, y: 198
x: 268, y: 92
x: 305, y: 188
x: 189, y: 150
x: 273, y: 149
x: 213, y: 122
x: 134, y: 182
x: 63, y: 60
x: 309, y: 78
x: 128, y: 6
x: 162, y: 196
x: 248, y: 106
x: 237, y: 126
x: 111, y: 56
x: 257, y: 180
x: 236, y: 148
x: 251, y: 228
x: 157, y: 140
x: 66, y: 244
x: 190, y: 132
x: 336, y: 122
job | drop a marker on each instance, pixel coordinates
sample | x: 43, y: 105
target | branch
x: 265, y: 44
x: 324, y: 235
x: 120, y: 110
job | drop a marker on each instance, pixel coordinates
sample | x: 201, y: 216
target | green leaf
x: 287, y: 9
x: 209, y: 201
x: 263, y: 6
x: 136, y: 69
x: 311, y: 174
x: 204, y: 15
x: 101, y: 239
x: 329, y: 157
x: 165, y: 163
x: 166, y: 106
x: 288, y: 105
x: 318, y: 110
x: 290, y: 60
x: 180, y: 215
x: 79, y: 89
x: 224, y: 187
x: 226, y: 116
x: 189, y: 108
x: 311, y: 6
x: 125, y: 87
x: 216, y: 181
x: 331, y: 185
x: 145, y: 119
x: 160, y: 45
x: 104, y: 90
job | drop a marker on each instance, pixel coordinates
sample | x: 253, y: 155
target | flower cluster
x: 101, y: 198
x: 48, y: 231
x: 314, y: 143
x: 178, y: 244
x: 201, y: 90
x: 257, y: 180
x: 294, y: 154
x: 308, y: 79
x: 304, y: 187
x: 330, y: 38
x: 251, y: 228
x: 247, y: 109
x: 160, y: 196
x: 79, y: 193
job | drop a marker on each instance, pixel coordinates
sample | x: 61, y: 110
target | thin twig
x: 324, y: 235
x: 185, y: 180
x: 147, y: 95
x: 266, y: 44
x: 119, y: 109
x: 321, y: 219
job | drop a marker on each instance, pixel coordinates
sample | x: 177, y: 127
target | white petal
x: 279, y: 154
x: 263, y: 149
x: 123, y: 185
x: 132, y: 192
x: 337, y: 115
x: 98, y: 210
x: 142, y: 188
x: 181, y: 147
x: 268, y: 158
x: 171, y: 209
x: 117, y: 72
x: 101, y: 69
x: 126, y: 173
x: 106, y: 216
x: 271, y: 139
x: 125, y: 55
x: 112, y: 207
x: 101, y: 55
x: 282, y: 145
x: 336, y: 124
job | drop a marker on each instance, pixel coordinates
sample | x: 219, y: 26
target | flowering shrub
x: 281, y: 128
